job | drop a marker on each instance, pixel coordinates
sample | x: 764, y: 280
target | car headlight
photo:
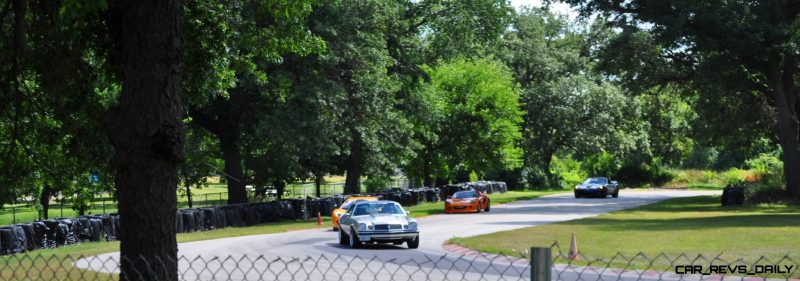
x: 448, y: 201
x: 412, y: 226
x: 338, y: 215
x: 362, y: 226
x: 601, y: 187
x: 577, y: 186
x: 471, y: 201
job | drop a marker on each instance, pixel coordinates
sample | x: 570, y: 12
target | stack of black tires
x: 53, y: 233
x: 488, y: 187
x: 20, y: 238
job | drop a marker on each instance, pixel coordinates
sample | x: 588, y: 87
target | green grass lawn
x: 695, y: 225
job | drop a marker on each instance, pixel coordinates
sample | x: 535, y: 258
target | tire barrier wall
x: 54, y: 233
x: 488, y: 187
x: 733, y: 195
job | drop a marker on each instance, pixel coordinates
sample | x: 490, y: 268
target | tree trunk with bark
x: 426, y: 166
x: 547, y: 159
x: 219, y: 120
x: 234, y: 171
x: 355, y: 161
x: 318, y: 184
x: 189, y: 196
x: 782, y: 69
x: 147, y: 133
x: 280, y: 187
x: 44, y: 200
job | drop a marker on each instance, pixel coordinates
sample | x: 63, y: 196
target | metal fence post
x: 541, y: 263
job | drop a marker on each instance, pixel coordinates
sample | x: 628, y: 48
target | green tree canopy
x: 475, y: 116
x: 745, y: 50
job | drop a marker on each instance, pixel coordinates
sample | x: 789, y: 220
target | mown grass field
x: 692, y: 226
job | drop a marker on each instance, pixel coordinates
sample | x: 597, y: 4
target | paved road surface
x: 317, y: 254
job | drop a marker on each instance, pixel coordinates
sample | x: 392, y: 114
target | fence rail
x: 24, y: 211
x: 61, y: 208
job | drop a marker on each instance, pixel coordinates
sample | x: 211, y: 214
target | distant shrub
x: 377, y: 183
x: 643, y: 174
x: 732, y: 176
x: 764, y: 194
x: 768, y: 169
x: 601, y: 165
x: 709, y: 178
x: 568, y: 171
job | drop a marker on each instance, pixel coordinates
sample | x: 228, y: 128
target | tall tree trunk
x: 781, y: 77
x: 355, y: 161
x: 234, y: 172
x: 280, y: 187
x: 218, y: 119
x: 549, y: 179
x: 44, y: 200
x: 318, y: 184
x: 426, y: 166
x: 147, y: 132
x: 188, y: 192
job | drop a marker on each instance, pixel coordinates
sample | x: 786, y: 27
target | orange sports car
x: 467, y: 202
x: 338, y: 212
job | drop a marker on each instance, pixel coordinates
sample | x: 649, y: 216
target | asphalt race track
x: 316, y: 254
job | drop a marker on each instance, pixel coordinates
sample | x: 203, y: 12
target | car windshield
x: 595, y: 181
x: 365, y: 209
x: 465, y: 194
x: 347, y: 203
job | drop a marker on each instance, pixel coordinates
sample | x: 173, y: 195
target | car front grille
x: 388, y: 226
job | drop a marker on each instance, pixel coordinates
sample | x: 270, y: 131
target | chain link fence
x: 567, y: 265
x: 320, y: 267
x: 540, y: 264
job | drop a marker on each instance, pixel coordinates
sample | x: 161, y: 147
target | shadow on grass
x: 713, y: 222
x: 711, y: 204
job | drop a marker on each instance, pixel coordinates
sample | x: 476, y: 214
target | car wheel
x: 343, y: 239
x: 479, y: 208
x: 616, y: 193
x: 354, y: 243
x: 488, y: 205
x: 414, y: 243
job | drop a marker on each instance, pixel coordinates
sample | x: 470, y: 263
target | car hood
x: 384, y: 219
x: 590, y: 186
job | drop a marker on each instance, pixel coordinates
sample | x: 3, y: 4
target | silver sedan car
x: 377, y: 222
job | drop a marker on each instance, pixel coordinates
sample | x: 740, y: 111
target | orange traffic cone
x: 319, y: 219
x: 573, y: 248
